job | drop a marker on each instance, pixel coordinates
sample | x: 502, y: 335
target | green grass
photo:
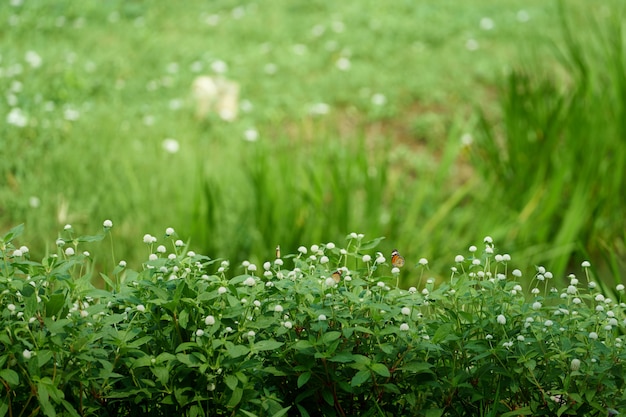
x: 396, y: 170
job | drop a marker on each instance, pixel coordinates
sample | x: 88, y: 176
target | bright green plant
x: 556, y: 159
x: 325, y: 331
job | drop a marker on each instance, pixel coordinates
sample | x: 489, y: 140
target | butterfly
x: 278, y: 252
x: 336, y: 275
x: 397, y: 260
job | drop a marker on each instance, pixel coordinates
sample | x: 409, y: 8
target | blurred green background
x: 432, y: 123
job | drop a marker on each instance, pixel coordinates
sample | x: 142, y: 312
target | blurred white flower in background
x: 216, y: 94
x: 171, y: 145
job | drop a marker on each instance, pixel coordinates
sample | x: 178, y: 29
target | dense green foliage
x: 189, y: 335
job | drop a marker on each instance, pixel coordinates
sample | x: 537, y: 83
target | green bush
x: 325, y: 331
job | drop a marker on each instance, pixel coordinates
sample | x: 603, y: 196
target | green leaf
x: 302, y: 345
x: 434, y: 412
x: 231, y: 381
x: 43, y: 397
x: 371, y: 244
x: 10, y: 376
x: 235, y: 398
x: 417, y: 367
x: 139, y: 342
x: 267, y: 345
x: 360, y: 377
x: 304, y: 378
x: 344, y: 357
x: 281, y: 413
x: 524, y: 411
x: 54, y: 304
x: 183, y: 319
x: 381, y: 370
x: 161, y: 373
x: 43, y: 356
x: 236, y: 351
x: 330, y: 337
x: 13, y: 233
x: 94, y: 238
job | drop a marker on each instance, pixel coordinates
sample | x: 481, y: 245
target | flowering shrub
x: 326, y: 331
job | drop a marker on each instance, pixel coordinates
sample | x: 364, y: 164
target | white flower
x: 599, y: 298
x: 573, y: 281
x: 249, y: 282
x: 501, y: 319
x: 17, y: 117
x: 288, y: 324
x: 366, y: 258
x: 406, y: 311
x: 412, y: 290
x: 209, y: 320
x: 33, y: 59
x: 520, y: 338
x: 278, y: 308
x: 330, y: 282
x: 571, y: 289
x: 171, y: 145
x: 575, y: 364
x: 585, y: 264
x: 179, y: 243
x: 27, y: 354
x: 302, y: 250
x: 593, y: 335
x: 459, y: 258
x: 321, y: 317
x: 379, y: 99
x: 11, y: 307
x: 222, y: 290
x: 122, y: 264
x: 199, y: 332
x: 536, y: 305
x: 60, y: 242
x: 148, y: 238
x: 324, y: 259
x: 141, y: 308
x: 169, y: 231
x: 620, y: 287
x: 472, y: 249
x: 404, y: 327
x: 153, y: 257
x: 486, y: 23
x: 251, y: 135
x: 330, y: 245
x: 423, y: 261
x: 576, y: 300
x: 219, y: 66
x: 17, y: 253
x: 517, y: 273
x: 251, y: 334
x: 69, y: 251
x: 107, y: 224
x: 343, y: 64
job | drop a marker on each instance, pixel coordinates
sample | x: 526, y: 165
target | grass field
x: 354, y: 116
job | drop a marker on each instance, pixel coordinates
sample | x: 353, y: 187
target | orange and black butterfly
x: 336, y: 275
x: 397, y: 260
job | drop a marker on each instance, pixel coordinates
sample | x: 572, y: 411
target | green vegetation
x: 186, y: 334
x: 353, y: 116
